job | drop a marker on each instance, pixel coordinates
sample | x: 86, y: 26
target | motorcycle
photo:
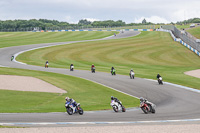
x: 113, y: 72
x: 147, y: 107
x: 12, y: 58
x: 132, y: 75
x: 72, y: 109
x: 46, y: 65
x: 116, y: 106
x: 160, y: 81
x: 71, y: 68
x: 93, y: 69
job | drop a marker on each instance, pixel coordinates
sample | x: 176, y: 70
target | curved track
x: 173, y: 103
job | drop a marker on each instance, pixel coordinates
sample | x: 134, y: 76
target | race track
x: 173, y: 102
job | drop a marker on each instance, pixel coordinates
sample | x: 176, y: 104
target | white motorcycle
x: 116, y: 106
x: 71, y: 68
x: 46, y: 65
x: 132, y: 75
x: 160, y: 81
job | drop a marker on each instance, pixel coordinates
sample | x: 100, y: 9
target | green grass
x: 195, y: 32
x: 91, y: 96
x: 148, y: 54
x: 183, y: 26
x: 8, y: 39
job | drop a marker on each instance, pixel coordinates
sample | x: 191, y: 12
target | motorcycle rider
x: 112, y: 68
x: 12, y: 58
x: 116, y: 100
x: 142, y: 100
x: 47, y: 64
x: 72, y: 101
x: 71, y: 67
x: 131, y: 72
x: 158, y: 76
x: 92, y: 66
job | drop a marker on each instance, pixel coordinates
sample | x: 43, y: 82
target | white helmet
x: 66, y: 98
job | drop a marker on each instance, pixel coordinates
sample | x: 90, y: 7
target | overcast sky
x: 72, y: 11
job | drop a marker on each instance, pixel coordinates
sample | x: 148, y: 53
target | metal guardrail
x: 184, y: 36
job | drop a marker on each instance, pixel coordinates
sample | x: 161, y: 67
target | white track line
x: 93, y: 123
x: 180, y: 86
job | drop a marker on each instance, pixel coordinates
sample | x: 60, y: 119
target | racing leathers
x: 116, y: 100
x: 72, y: 101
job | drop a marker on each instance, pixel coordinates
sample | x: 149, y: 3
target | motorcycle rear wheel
x: 123, y: 109
x: 153, y: 111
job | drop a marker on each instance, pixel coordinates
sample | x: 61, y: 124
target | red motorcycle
x: 147, y: 107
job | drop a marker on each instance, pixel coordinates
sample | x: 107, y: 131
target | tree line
x: 192, y: 20
x: 45, y: 24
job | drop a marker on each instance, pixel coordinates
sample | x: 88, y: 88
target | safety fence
x: 181, y: 36
x: 180, y: 40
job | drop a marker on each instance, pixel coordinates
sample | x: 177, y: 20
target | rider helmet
x: 141, y: 99
x: 112, y: 98
x: 66, y: 98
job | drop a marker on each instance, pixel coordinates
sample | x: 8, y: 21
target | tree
x: 144, y: 21
x: 84, y: 22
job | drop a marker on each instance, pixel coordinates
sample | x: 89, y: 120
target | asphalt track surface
x: 172, y: 102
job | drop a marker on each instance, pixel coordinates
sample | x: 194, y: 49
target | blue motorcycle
x: 72, y: 109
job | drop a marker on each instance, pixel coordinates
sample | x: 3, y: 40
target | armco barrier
x: 185, y: 36
x: 179, y: 40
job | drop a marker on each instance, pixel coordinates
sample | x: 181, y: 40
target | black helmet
x: 112, y: 98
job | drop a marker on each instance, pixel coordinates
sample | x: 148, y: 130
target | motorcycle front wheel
x: 80, y: 111
x: 115, y: 108
x: 144, y: 110
x: 70, y: 111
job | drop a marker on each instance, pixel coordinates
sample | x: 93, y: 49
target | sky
x: 129, y: 11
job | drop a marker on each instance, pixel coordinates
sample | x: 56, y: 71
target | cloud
x: 153, y: 19
x: 185, y: 14
x: 91, y: 19
x: 72, y: 11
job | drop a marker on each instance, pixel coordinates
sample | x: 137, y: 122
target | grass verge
x: 195, y: 32
x: 91, y: 96
x: 8, y: 39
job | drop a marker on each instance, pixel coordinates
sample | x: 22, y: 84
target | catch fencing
x: 185, y: 38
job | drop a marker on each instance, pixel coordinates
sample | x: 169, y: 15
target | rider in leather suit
x: 116, y: 100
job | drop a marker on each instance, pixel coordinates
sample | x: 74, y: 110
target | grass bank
x: 91, y: 96
x: 8, y: 39
x: 148, y: 54
x: 195, y: 32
